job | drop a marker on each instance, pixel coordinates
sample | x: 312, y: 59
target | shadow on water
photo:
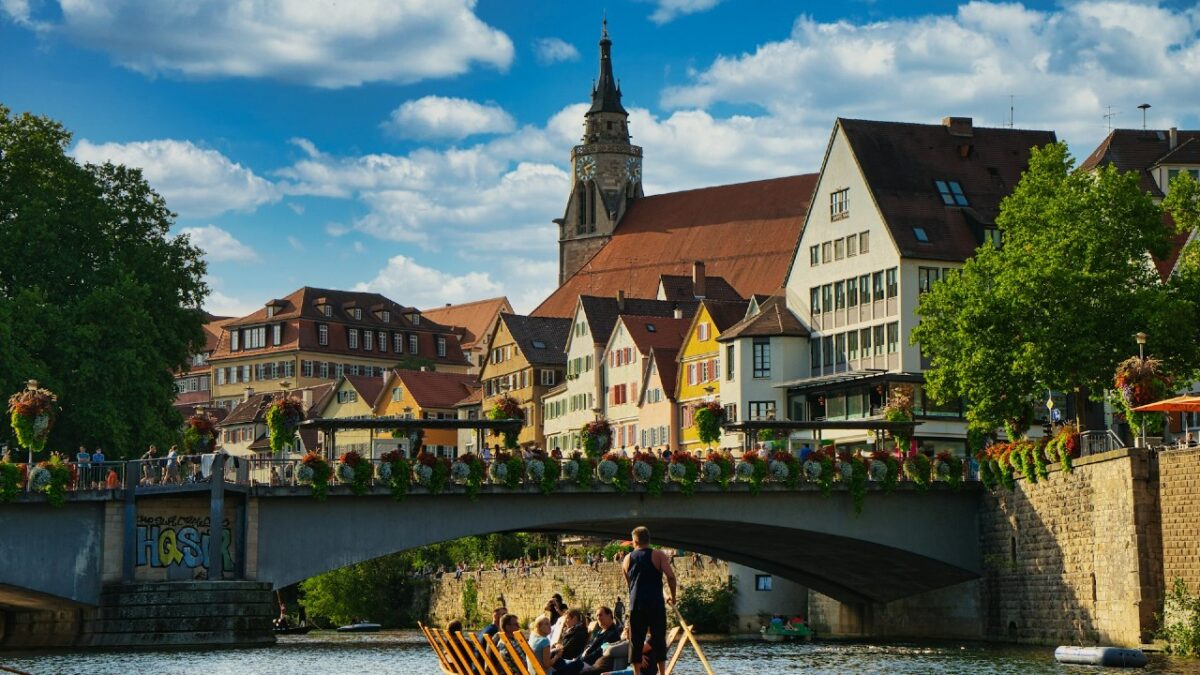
x: 405, y: 652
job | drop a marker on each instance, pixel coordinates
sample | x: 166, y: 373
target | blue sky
x: 419, y: 148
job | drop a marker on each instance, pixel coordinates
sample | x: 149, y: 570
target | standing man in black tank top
x: 644, y: 570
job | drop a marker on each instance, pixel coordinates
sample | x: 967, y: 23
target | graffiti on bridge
x: 180, y: 540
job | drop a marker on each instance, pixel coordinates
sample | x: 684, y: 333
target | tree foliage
x: 98, y: 301
x: 1057, y: 306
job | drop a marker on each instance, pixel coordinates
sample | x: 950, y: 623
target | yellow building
x: 699, y: 377
x: 526, y: 357
x: 420, y: 394
x: 353, y: 397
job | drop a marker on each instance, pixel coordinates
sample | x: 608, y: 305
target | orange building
x: 425, y: 394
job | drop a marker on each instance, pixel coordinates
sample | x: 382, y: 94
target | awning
x: 1185, y: 403
x: 851, y: 377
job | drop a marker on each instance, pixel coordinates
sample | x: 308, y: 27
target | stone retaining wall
x: 1179, y: 477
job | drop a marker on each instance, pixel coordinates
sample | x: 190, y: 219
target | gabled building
x: 658, y: 411
x: 244, y: 430
x: 354, y: 397
x: 193, y: 385
x: 907, y: 204
x: 472, y: 322
x: 427, y: 395
x: 627, y: 370
x: 316, y: 335
x: 569, y: 408
x: 698, y: 381
x: 526, y: 358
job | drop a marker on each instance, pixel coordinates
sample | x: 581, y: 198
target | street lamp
x: 1141, y: 340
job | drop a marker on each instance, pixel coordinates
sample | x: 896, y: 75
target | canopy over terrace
x: 330, y: 426
x: 1185, y: 403
x: 750, y: 428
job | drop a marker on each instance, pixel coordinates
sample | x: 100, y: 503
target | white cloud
x: 221, y: 304
x: 554, y: 50
x: 219, y: 245
x: 1063, y: 67
x: 668, y: 10
x: 295, y: 243
x: 410, y: 283
x: 326, y: 44
x: 195, y: 181
x: 439, y: 117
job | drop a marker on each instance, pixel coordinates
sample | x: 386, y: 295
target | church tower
x: 606, y: 173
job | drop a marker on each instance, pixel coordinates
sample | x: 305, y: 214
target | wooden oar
x: 687, y: 633
x: 675, y: 633
x: 436, y: 649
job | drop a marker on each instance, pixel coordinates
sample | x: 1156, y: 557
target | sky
x: 419, y: 148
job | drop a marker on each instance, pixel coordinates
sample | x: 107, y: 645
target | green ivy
x: 917, y: 469
x: 401, y: 478
x: 11, y: 478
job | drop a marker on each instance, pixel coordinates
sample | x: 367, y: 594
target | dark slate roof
x: 773, y: 318
x: 550, y: 332
x: 901, y: 161
x: 666, y: 332
x: 745, y: 233
x: 602, y: 313
x: 682, y: 287
x: 606, y: 94
x: 1141, y: 150
x: 725, y: 313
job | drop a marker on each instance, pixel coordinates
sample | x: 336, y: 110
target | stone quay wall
x: 580, y: 585
x: 1076, y: 558
x: 1179, y: 476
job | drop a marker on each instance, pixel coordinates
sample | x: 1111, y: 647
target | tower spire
x: 606, y: 95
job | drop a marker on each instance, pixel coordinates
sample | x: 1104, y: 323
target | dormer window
x: 327, y: 310
x: 270, y: 311
x: 385, y: 316
x: 356, y: 313
x: 414, y: 318
x: 951, y: 192
x: 921, y: 235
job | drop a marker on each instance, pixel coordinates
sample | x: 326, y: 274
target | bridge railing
x: 1098, y: 441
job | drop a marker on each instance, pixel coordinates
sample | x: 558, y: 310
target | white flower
x: 498, y: 472
x: 812, y: 469
x: 570, y: 469
x: 385, y: 472
x: 677, y: 470
x: 743, y: 470
x: 877, y: 470
x: 779, y: 470
x: 39, y: 477
x: 606, y: 470
x: 345, y: 473
x: 423, y: 473
x: 304, y: 473
x: 40, y: 424
x: 847, y: 470
x: 642, y: 471
x: 536, y: 470
x: 460, y: 472
x: 712, y: 472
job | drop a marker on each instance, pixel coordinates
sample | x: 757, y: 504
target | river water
x: 406, y: 652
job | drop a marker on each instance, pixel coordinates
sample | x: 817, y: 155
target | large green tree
x: 98, y: 301
x: 1057, y: 306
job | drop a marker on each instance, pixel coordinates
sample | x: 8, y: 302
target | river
x: 406, y: 652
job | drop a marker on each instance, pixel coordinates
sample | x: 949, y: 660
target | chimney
x: 677, y: 313
x: 247, y: 393
x: 306, y: 398
x: 447, y: 304
x: 1173, y: 134
x: 698, y: 279
x: 958, y: 126
x: 620, y: 301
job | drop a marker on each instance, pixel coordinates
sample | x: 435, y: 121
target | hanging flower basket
x: 709, y: 417
x: 650, y: 470
x: 585, y: 469
x: 819, y: 468
x: 852, y: 472
x: 752, y: 469
x: 543, y: 471
x: 12, y: 478
x: 431, y: 471
x: 718, y: 469
x: 614, y: 469
x: 31, y: 413
x: 785, y: 468
x: 596, y: 437
x: 200, y: 434
x: 396, y: 471
x: 889, y: 474
x: 1140, y: 381
x: 917, y: 468
x: 948, y: 469
x: 468, y: 470
x: 356, y: 471
x: 283, y: 420
x: 507, y: 408
x: 899, y: 408
x: 507, y: 469
x: 685, y: 469
x: 315, y: 471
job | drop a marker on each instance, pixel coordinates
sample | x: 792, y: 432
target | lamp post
x: 29, y: 385
x: 1141, y: 342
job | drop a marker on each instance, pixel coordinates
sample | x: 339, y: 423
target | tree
x: 1057, y: 306
x: 97, y: 300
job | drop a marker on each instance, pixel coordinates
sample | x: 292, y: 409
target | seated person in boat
x: 615, y: 659
x: 539, y: 643
x: 573, y: 639
x: 607, y: 632
x: 509, y: 625
x: 493, y: 627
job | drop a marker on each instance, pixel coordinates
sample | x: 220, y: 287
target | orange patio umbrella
x: 1185, y: 403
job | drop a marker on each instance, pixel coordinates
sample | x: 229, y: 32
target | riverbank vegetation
x: 708, y: 606
x: 1181, y: 621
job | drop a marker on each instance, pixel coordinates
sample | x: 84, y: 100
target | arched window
x: 581, y: 199
x: 591, y: 219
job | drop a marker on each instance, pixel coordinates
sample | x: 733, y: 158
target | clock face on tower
x: 585, y: 167
x: 633, y: 169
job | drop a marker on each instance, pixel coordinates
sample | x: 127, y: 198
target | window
x: 877, y: 286
x: 729, y: 362
x: 368, y: 340
x: 245, y: 373
x: 762, y: 410
x: 347, y: 396
x: 385, y: 316
x: 814, y: 255
x: 233, y: 339
x: 327, y: 310
x: 893, y: 337
x: 323, y: 334
x: 892, y: 288
x: 762, y: 582
x: 839, y: 348
x: 814, y: 353
x: 339, y: 369
x: 864, y: 242
x: 413, y: 341
x: 306, y: 368
x: 220, y: 376
x: 951, y: 192
x: 814, y: 299
x: 851, y: 245
x: 547, y: 378
x: 864, y: 341
x: 441, y: 346
x: 827, y: 350
x: 356, y: 313
x: 852, y: 292
x: 927, y: 277
x: 691, y: 373
x: 826, y: 252
x: 352, y: 338
x: 852, y: 345
x: 382, y: 341
x: 827, y: 297
x: 355, y: 369
x: 254, y: 338
x: 762, y: 357
x: 919, y: 233
x: 992, y: 234
x: 398, y: 343
x: 839, y: 295
x: 704, y: 372
x: 277, y: 334
x: 323, y: 370
x: 878, y: 330
x: 702, y: 331
x: 839, y: 204
x: 839, y: 249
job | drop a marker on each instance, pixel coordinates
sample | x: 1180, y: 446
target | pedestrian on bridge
x: 644, y: 571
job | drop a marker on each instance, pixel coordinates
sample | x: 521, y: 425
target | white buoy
x: 1111, y: 657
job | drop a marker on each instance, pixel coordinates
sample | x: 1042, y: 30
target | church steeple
x: 606, y: 94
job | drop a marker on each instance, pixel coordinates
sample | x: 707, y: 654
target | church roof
x: 606, y: 94
x: 745, y: 233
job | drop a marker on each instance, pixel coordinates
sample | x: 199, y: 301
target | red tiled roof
x: 602, y: 313
x: 474, y: 398
x: 254, y: 409
x: 773, y: 318
x: 667, y: 362
x: 668, y: 332
x: 902, y: 161
x: 368, y: 387
x: 745, y: 233
x: 1140, y: 150
x: 472, y: 320
x: 431, y: 389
